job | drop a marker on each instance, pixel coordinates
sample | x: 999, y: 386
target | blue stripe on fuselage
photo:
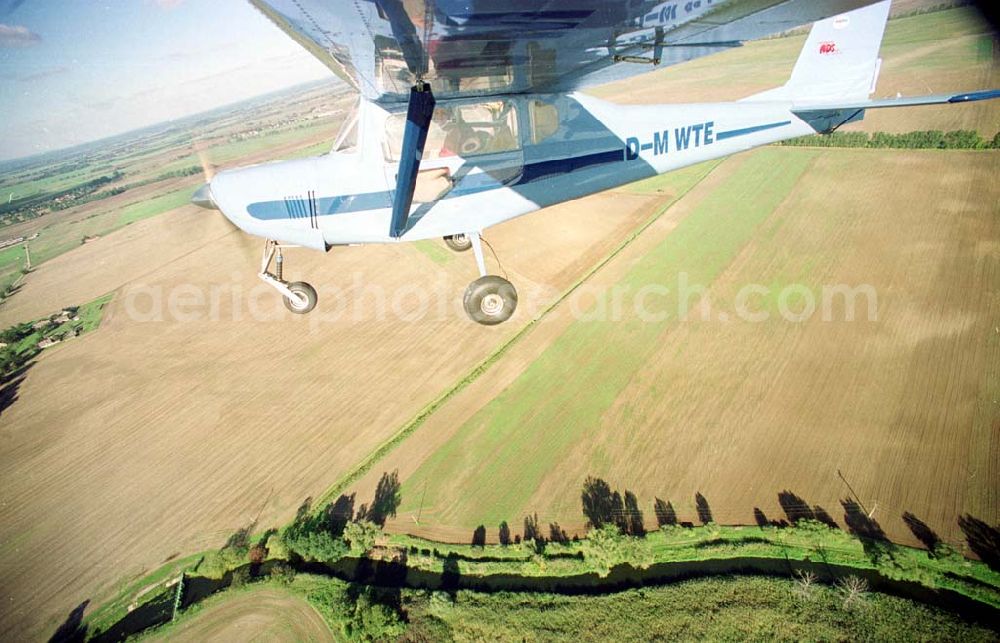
x: 270, y: 210
x: 721, y: 136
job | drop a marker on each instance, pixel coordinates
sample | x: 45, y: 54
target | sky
x: 73, y: 71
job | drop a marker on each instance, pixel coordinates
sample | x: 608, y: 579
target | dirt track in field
x: 150, y: 437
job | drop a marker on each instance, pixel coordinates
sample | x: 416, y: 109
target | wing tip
x: 969, y: 97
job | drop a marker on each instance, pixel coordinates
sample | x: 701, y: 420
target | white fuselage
x: 345, y: 197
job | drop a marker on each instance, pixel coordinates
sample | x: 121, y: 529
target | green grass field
x: 151, y: 207
x: 435, y: 252
x: 720, y: 609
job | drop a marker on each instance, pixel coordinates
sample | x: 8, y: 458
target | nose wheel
x: 491, y: 299
x: 303, y: 298
x: 458, y: 242
x: 299, y: 297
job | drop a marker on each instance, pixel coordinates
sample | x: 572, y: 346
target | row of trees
x: 325, y: 535
x: 921, y: 140
x: 603, y: 507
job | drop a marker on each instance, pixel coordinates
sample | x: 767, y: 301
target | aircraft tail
x: 839, y: 60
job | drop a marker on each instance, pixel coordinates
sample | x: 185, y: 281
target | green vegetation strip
x: 525, y: 576
x: 686, y: 180
x: 433, y: 251
x: 921, y: 140
x: 730, y: 609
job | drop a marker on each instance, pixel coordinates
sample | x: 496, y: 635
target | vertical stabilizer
x: 839, y: 60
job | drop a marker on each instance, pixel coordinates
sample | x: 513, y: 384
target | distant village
x: 13, y: 242
x: 296, y: 121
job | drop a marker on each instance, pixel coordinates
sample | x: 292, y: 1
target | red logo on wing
x: 827, y: 47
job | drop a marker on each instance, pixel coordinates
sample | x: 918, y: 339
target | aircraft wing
x: 485, y: 47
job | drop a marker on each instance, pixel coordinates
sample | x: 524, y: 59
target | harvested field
x: 266, y: 614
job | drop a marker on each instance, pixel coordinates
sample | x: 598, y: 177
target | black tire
x: 302, y: 289
x: 490, y: 300
x: 458, y: 242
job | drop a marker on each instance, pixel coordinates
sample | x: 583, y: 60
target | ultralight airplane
x: 469, y: 114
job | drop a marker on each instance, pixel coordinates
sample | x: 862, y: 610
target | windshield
x: 347, y: 137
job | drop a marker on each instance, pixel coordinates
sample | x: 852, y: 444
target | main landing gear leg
x: 490, y: 299
x: 299, y: 297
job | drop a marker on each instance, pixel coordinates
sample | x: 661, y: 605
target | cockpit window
x: 544, y: 120
x: 465, y: 130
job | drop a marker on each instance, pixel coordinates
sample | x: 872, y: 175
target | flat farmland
x: 162, y: 436
x: 904, y: 407
x: 156, y: 436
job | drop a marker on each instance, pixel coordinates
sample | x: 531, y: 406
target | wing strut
x: 418, y: 121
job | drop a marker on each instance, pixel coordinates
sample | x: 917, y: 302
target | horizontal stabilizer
x: 826, y: 117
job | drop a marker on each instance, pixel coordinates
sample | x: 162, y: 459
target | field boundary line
x: 418, y: 420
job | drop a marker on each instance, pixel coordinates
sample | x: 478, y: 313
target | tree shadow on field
x: 701, y: 506
x: 634, y: 524
x: 796, y: 509
x: 603, y: 505
x: 922, y: 531
x: 983, y: 539
x: 824, y: 517
x: 532, y: 532
x: 386, y: 500
x: 240, y: 539
x: 10, y: 385
x: 873, y: 539
x: 73, y: 629
x: 479, y: 536
x: 557, y: 534
x: 665, y: 513
x: 503, y: 533
x: 762, y: 520
x: 339, y: 513
x: 598, y: 502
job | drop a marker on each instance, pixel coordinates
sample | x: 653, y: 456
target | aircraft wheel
x: 306, y: 298
x: 490, y: 300
x: 458, y: 242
